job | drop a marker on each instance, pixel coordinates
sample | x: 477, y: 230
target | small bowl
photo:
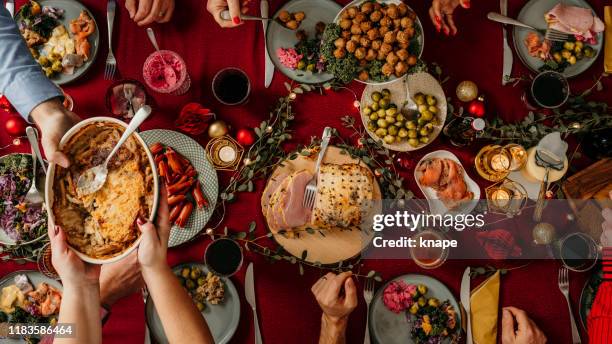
x: 49, y: 196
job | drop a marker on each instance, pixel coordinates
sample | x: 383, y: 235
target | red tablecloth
x: 287, y: 311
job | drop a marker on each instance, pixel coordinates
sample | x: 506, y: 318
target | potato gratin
x: 102, y: 224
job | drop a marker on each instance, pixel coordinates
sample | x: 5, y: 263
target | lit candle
x: 501, y: 197
x: 227, y: 154
x: 500, y: 162
x: 519, y: 156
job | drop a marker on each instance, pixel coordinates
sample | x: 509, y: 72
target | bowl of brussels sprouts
x: 406, y: 115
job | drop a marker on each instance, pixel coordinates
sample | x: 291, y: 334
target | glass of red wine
x: 549, y: 90
x: 578, y: 252
x: 231, y: 86
x: 223, y: 257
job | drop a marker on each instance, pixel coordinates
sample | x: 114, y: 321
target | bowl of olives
x: 404, y: 116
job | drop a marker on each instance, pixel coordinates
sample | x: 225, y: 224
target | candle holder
x: 224, y: 153
x: 506, y: 197
x: 518, y: 154
x: 44, y: 262
x: 493, y: 162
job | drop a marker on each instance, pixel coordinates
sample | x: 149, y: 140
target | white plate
x: 387, y: 327
x: 222, y: 319
x: 35, y: 278
x: 435, y: 205
x: 402, y: 90
x: 420, y: 36
x: 207, y: 175
x: 533, y: 14
x: 278, y: 36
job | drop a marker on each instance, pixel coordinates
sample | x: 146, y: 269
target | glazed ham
x: 574, y: 20
x: 446, y: 177
x: 282, y: 201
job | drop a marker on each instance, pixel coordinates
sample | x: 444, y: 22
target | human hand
x: 120, y: 279
x: 525, y: 331
x: 606, y: 226
x: 54, y: 121
x: 72, y: 270
x: 154, y: 245
x: 441, y: 14
x: 215, y: 7
x: 327, y: 291
x: 145, y: 12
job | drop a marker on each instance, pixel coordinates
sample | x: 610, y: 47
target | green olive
x: 424, y: 139
x: 426, y: 116
x: 190, y: 284
x: 419, y: 99
x: 384, y: 103
x: 381, y: 132
x: 433, y: 109
x: 372, y: 126
x: 429, y: 126
x: 421, y: 122
x: 410, y: 125
x: 423, y: 108
x: 195, y: 273
x: 382, y: 123
x: 385, y: 92
x: 373, y: 116
x: 390, y: 119
x: 413, y: 142
x: 376, y: 96
x: 392, y: 130
x: 402, y: 133
x: 431, y: 100
x: 200, y: 306
x: 367, y: 111
x: 412, y: 133
x: 391, y: 111
x: 389, y: 139
x: 423, y: 132
x: 185, y: 272
x: 381, y: 113
x: 374, y: 107
x: 400, y: 117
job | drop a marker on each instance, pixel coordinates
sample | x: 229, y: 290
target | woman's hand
x: 154, y: 245
x: 72, y: 270
x: 441, y: 14
x: 145, y: 12
x: 527, y: 332
x: 215, y: 7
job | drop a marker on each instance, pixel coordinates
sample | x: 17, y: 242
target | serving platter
x: 72, y: 10
x: 402, y: 92
x: 387, y: 327
x: 436, y: 206
x: 222, y: 319
x: 532, y: 14
x: 278, y: 36
x: 336, y: 245
x: 207, y: 175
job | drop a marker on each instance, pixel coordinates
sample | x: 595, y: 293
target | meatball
x: 346, y: 35
x: 386, y: 48
x: 409, y: 31
x: 367, y: 7
x: 339, y: 53
x: 359, y: 18
x: 351, y: 46
x: 363, y: 63
x: 355, y: 29
x: 370, y: 55
x: 340, y: 43
x: 406, y: 22
x: 383, y: 30
x: 344, y: 15
x: 397, y: 22
x: 402, y: 54
x: 401, y: 68
x: 386, y: 21
x: 292, y: 25
x: 403, y: 37
x: 345, y: 24
x: 376, y: 44
x: 377, y: 6
x: 412, y: 60
x: 356, y: 38
x: 352, y: 12
x: 299, y: 16
x: 387, y: 69
x: 389, y: 37
x: 360, y: 53
x: 365, y: 26
x: 403, y: 45
x: 284, y: 16
x: 372, y: 34
x: 363, y: 75
x: 393, y: 11
x: 392, y: 58
x: 376, y: 16
x: 365, y: 42
x: 380, y: 56
x: 301, y: 35
x: 402, y: 9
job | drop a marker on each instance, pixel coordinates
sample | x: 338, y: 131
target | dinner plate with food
x: 445, y: 183
x: 20, y: 221
x: 29, y: 298
x: 216, y: 297
x: 335, y: 229
x: 101, y: 226
x: 414, y: 309
x: 293, y: 39
x: 191, y: 181
x: 62, y: 35
x: 405, y: 115
x: 574, y: 17
x: 373, y: 42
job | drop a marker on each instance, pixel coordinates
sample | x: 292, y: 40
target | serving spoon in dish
x: 94, y: 178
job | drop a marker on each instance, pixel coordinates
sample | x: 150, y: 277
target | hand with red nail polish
x: 215, y: 7
x: 154, y: 244
x: 441, y: 14
x: 146, y: 12
x: 71, y: 269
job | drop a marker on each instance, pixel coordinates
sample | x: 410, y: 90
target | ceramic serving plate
x: 222, y: 319
x: 533, y: 14
x: 435, y: 205
x: 49, y: 196
x: 207, y: 175
x: 387, y: 327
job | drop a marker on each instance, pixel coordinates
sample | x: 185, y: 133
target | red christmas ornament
x: 477, y: 107
x: 403, y: 162
x: 245, y: 137
x: 5, y: 105
x: 15, y: 126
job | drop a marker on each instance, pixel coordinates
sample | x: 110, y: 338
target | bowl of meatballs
x: 375, y: 42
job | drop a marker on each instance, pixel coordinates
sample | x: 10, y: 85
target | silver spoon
x: 168, y: 70
x: 225, y: 15
x: 94, y: 178
x: 34, y: 196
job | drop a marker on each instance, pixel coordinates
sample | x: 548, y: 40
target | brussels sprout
x: 433, y: 302
x: 391, y: 111
x: 414, y: 308
x: 389, y: 139
x: 384, y: 103
x: 422, y: 288
x: 557, y: 57
x: 381, y: 132
x: 392, y: 130
x: 390, y: 119
x: 385, y: 92
x: 421, y: 301
x: 402, y: 133
x: 301, y: 65
x: 376, y: 96
x: 433, y: 109
x: 426, y: 116
x: 419, y: 99
x: 382, y: 123
x: 572, y: 60
x: 435, y: 121
x: 568, y: 45
x: 200, y: 306
x: 424, y: 139
x: 310, y: 67
x: 372, y: 126
x: 429, y: 126
x: 185, y: 272
x: 579, y: 44
x: 421, y: 122
x: 579, y: 55
x: 566, y: 54
x: 190, y: 284
x: 431, y: 100
x: 374, y: 106
x: 589, y: 51
x: 578, y: 50
x: 367, y: 111
x: 57, y: 66
x: 424, y: 131
x: 374, y: 116
x: 195, y: 273
x: 43, y: 61
x: 410, y: 125
x: 381, y: 113
x: 423, y: 108
x: 413, y: 142
x: 412, y: 133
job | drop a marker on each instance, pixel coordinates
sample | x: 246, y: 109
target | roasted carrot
x: 198, y: 196
x: 157, y: 148
x: 175, y: 199
x: 184, y: 215
x: 174, y: 213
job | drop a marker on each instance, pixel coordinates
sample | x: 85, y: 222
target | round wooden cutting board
x: 335, y: 245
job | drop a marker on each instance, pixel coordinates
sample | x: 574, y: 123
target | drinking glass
x: 432, y: 257
x: 548, y: 90
x: 223, y: 257
x: 231, y: 86
x: 578, y: 251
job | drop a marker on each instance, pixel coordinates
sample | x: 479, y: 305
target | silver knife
x: 269, y: 66
x: 507, y: 62
x: 465, y: 301
x: 249, y: 293
x: 10, y: 6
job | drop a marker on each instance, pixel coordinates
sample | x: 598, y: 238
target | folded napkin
x: 608, y: 39
x: 499, y: 244
x: 484, y: 307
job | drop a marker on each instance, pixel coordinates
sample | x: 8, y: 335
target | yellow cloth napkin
x: 484, y: 307
x: 608, y: 39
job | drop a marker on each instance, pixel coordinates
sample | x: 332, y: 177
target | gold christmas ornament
x: 543, y: 233
x: 217, y: 128
x: 467, y: 91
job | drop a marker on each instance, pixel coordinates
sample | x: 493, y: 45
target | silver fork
x: 564, y: 288
x: 368, y: 294
x: 549, y: 34
x: 145, y: 296
x: 111, y: 62
x: 311, y: 189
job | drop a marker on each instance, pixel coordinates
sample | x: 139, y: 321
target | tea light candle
x: 227, y: 154
x: 500, y: 162
x: 518, y: 154
x: 501, y: 198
